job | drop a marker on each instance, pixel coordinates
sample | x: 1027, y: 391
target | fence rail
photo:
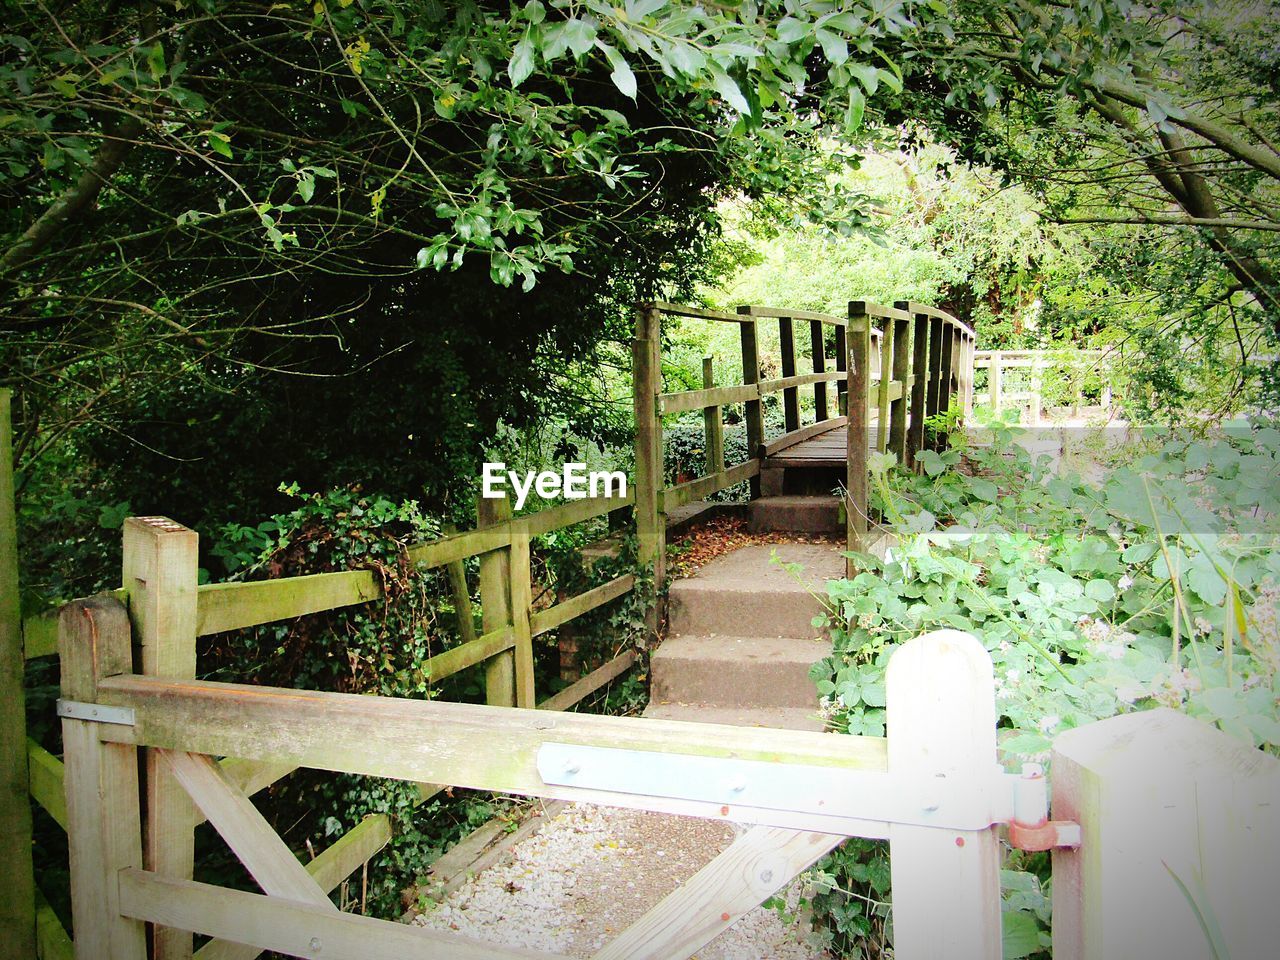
x: 1069, y: 371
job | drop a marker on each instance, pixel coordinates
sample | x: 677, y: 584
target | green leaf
x: 522, y: 61
x: 857, y: 107
x: 306, y: 188
x: 621, y: 76
x: 1100, y: 590
x: 220, y: 143
x: 1020, y: 934
x: 728, y: 89
x: 834, y: 46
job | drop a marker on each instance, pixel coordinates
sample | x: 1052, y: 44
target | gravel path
x: 592, y: 871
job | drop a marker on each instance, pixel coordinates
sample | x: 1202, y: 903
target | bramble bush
x: 1158, y: 586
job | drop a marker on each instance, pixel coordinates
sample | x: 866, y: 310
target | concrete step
x: 736, y: 671
x: 744, y: 593
x: 782, y: 718
x: 798, y: 514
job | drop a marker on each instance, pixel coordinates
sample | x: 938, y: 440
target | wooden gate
x: 933, y: 789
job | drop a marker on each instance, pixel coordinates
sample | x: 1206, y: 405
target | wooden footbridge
x: 150, y: 750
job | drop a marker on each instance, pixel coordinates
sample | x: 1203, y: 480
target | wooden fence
x: 925, y: 352
x: 1081, y: 384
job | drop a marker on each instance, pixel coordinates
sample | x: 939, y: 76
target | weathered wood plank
x: 469, y: 654
x: 574, y: 511
x: 806, y: 433
x: 790, y: 391
x: 161, y: 576
x: 703, y: 487
x: 435, y: 742
x: 878, y: 310
x: 273, y: 923
x: 589, y: 684
x: 17, y: 908
x: 47, y: 788
x: 817, y: 351
x: 459, y: 546
x: 233, y: 606
x: 886, y: 379
x: 699, y: 313
x: 799, y: 380
x: 671, y: 403
x: 40, y: 635
x: 901, y: 370
x: 940, y: 699
x: 576, y: 606
x: 102, y: 792
x: 754, y: 310
x: 269, y: 861
x: 857, y: 426
x: 919, y: 388
x: 756, y: 865
x: 337, y: 862
x: 753, y: 413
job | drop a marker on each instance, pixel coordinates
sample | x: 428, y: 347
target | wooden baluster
x: 712, y: 423
x: 994, y: 379
x: 842, y: 362
x: 857, y: 428
x: 933, y: 395
x: 901, y: 382
x: 790, y: 395
x: 521, y: 601
x: 946, y: 372
x: 819, y: 350
x: 754, y: 410
x: 919, y: 386
x: 886, y: 379
x: 161, y: 575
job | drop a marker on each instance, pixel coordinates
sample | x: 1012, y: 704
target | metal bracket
x: 97, y: 712
x: 971, y: 803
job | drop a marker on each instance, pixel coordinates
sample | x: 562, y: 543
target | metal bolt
x: 738, y: 786
x: 315, y: 945
x: 571, y: 767
x: 766, y: 876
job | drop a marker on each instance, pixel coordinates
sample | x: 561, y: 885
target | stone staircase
x: 740, y: 639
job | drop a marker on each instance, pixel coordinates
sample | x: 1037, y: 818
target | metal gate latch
x: 1031, y: 829
x: 97, y: 712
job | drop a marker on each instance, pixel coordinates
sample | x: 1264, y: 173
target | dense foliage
x: 1159, y: 586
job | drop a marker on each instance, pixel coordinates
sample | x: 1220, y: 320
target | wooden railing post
x: 842, y: 363
x: 646, y: 375
x: 819, y: 349
x: 712, y: 422
x: 886, y: 376
x: 160, y: 576
x: 791, y: 395
x: 1172, y: 812
x: 946, y: 373
x: 901, y: 375
x: 933, y: 396
x: 919, y: 387
x: 995, y: 377
x: 753, y: 409
x: 17, y: 907
x: 940, y: 703
x: 521, y: 601
x: 103, y: 803
x: 858, y: 434
x: 495, y: 604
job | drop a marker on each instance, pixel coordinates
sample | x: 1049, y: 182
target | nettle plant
x: 1157, y: 586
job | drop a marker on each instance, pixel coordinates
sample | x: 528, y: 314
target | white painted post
x: 1159, y: 794
x: 940, y: 697
x: 994, y: 381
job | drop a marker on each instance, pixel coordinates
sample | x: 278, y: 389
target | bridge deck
x: 826, y: 449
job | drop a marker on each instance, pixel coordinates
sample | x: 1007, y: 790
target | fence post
x: 712, y: 422
x: 646, y: 376
x: 940, y: 703
x: 495, y: 604
x: 160, y: 576
x: 790, y: 395
x: 103, y: 814
x: 857, y: 432
x: 17, y: 907
x: 902, y: 359
x: 521, y: 600
x: 753, y: 412
x: 1160, y: 795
